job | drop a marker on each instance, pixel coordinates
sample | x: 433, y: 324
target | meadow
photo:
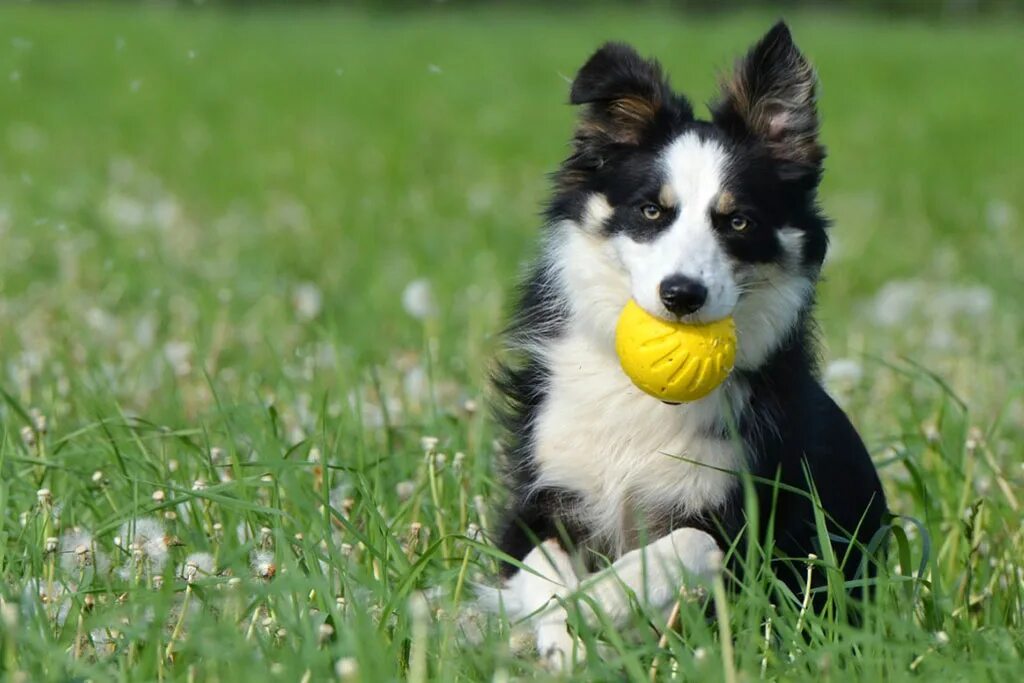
x: 252, y: 268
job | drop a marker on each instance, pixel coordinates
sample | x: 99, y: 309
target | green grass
x: 176, y: 187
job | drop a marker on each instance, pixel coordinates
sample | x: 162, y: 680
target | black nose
x: 682, y: 295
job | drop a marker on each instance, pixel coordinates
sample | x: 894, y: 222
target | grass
x: 207, y: 224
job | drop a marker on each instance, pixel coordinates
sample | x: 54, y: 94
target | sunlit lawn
x: 250, y: 263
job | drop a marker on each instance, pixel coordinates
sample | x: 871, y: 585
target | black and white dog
x: 695, y: 220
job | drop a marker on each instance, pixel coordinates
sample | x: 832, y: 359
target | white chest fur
x: 629, y: 456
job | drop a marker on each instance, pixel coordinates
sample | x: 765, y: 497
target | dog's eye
x: 651, y: 212
x: 739, y: 223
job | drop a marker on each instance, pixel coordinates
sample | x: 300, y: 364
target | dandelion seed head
x: 52, y: 595
x: 149, y: 543
x: 78, y: 551
x: 896, y: 301
x: 339, y: 495
x: 198, y: 565
x: 179, y: 356
x: 843, y: 371
x: 418, y: 299
x: 416, y: 384
x: 38, y: 420
x: 8, y: 615
x: 262, y: 564
x: 307, y: 301
x: 439, y: 461
x: 999, y: 214
x: 346, y: 668
x: 405, y: 489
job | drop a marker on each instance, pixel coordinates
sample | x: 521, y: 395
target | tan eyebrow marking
x: 725, y: 202
x: 667, y: 196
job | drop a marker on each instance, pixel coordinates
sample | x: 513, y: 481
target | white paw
x: 653, y: 575
x: 557, y: 648
x: 530, y: 597
x: 697, y: 551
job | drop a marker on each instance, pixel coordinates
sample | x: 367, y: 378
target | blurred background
x: 221, y: 188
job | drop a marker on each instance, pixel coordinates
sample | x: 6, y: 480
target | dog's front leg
x: 654, y: 574
x: 534, y: 592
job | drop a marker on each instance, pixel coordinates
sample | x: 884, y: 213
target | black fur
x: 790, y: 428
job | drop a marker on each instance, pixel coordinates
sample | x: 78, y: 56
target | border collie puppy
x: 696, y: 220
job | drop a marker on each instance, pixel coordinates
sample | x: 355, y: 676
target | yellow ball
x: 674, y: 362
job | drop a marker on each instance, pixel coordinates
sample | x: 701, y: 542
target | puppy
x: 695, y: 220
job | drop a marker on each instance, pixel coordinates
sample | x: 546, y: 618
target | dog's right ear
x: 770, y: 97
x: 623, y: 95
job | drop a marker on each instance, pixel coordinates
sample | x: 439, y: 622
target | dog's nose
x: 682, y: 295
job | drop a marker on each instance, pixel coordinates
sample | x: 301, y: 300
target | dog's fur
x: 650, y: 192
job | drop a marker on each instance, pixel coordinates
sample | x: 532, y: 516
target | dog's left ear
x: 771, y: 96
x: 623, y: 94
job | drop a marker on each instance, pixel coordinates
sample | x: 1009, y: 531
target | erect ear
x: 771, y: 96
x: 623, y: 93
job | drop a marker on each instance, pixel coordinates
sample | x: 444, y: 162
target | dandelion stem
x: 435, y: 495
x: 804, y: 606
x: 462, y: 576
x: 169, y: 652
x: 418, y: 649
x: 767, y: 642
x: 673, y: 619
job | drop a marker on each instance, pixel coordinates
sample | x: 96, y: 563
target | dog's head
x: 697, y: 220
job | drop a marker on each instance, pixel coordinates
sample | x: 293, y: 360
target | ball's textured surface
x: 674, y: 362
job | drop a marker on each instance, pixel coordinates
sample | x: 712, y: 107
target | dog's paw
x: 653, y: 575
x: 558, y: 649
x: 697, y: 552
